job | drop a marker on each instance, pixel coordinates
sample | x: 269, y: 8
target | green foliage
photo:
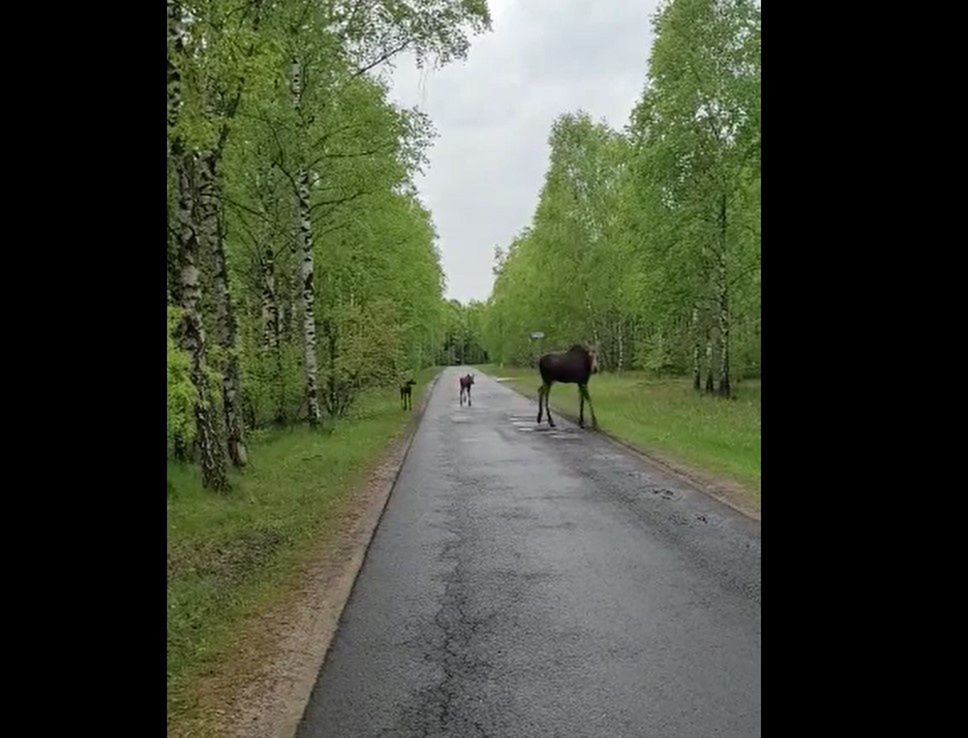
x: 635, y: 233
x: 378, y: 280
x: 182, y: 395
x: 462, y: 339
x: 360, y: 348
x: 658, y: 356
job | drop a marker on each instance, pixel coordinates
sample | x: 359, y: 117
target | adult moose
x: 406, y: 394
x: 574, y: 366
x: 466, y: 382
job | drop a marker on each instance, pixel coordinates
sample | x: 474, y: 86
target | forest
x: 303, y: 267
x: 646, y: 242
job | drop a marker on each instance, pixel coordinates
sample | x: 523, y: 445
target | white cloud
x: 493, y: 113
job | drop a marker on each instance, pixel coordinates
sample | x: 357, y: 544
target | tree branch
x: 339, y: 201
x: 382, y: 58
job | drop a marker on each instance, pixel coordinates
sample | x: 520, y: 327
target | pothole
x: 665, y: 494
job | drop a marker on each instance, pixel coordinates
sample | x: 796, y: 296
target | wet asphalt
x: 535, y: 582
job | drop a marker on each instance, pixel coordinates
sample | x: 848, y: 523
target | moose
x: 573, y: 366
x: 466, y: 382
x: 406, y: 394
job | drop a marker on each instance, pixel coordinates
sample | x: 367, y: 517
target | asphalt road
x: 527, y: 582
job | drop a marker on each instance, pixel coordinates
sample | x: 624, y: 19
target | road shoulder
x: 267, y: 691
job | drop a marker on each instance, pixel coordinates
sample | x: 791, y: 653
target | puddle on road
x: 665, y: 494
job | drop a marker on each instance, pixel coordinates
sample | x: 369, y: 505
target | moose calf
x: 406, y: 390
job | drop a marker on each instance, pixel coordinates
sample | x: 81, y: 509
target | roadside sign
x: 537, y: 334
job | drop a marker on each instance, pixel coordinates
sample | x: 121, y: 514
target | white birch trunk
x: 270, y: 310
x: 309, y: 299
x: 304, y: 235
x: 210, y: 226
x: 191, y: 332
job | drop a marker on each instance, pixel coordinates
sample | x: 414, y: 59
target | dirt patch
x: 263, y: 691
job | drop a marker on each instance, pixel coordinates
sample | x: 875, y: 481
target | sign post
x: 536, y: 336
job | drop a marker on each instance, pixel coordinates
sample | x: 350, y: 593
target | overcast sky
x: 493, y: 113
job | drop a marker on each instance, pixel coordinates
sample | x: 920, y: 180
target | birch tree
x: 187, y: 247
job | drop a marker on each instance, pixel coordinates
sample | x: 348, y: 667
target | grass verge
x: 667, y: 418
x: 232, y: 557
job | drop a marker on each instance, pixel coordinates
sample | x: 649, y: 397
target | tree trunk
x: 271, y: 330
x: 210, y: 204
x: 305, y: 241
x: 696, y: 367
x: 174, y: 75
x: 309, y: 299
x: 602, y: 365
x: 270, y: 311
x: 621, y: 345
x: 332, y: 394
x: 724, y: 386
x: 191, y: 333
x: 709, y: 363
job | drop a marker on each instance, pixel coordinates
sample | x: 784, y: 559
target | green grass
x: 666, y: 416
x: 229, y: 556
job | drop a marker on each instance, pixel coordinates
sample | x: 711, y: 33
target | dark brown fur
x: 406, y: 394
x: 466, y: 382
x: 574, y: 366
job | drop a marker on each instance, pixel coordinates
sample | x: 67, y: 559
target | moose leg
x: 469, y: 403
x: 581, y: 407
x: 540, y: 401
x: 583, y: 388
x: 547, y: 396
